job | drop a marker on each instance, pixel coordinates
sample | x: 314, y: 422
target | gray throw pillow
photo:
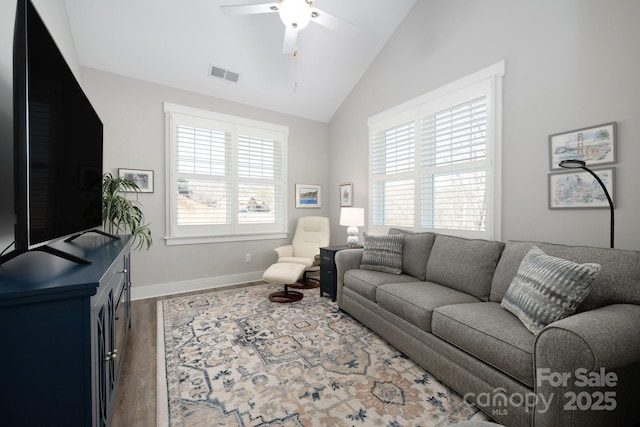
x: 547, y: 289
x: 382, y: 253
x: 416, y: 248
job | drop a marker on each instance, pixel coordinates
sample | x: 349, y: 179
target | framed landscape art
x: 308, y: 196
x: 579, y: 189
x: 594, y: 145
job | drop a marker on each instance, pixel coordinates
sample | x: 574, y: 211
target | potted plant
x: 121, y: 214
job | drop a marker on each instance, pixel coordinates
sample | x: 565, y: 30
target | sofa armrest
x: 283, y: 251
x: 346, y: 259
x: 584, y: 357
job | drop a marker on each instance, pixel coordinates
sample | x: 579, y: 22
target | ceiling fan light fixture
x: 295, y: 14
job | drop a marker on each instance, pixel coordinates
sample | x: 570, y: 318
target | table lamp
x: 352, y: 218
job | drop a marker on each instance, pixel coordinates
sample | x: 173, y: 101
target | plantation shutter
x: 227, y: 178
x: 393, y: 163
x: 434, y: 161
x: 454, y: 153
x: 202, y: 184
x: 260, y: 178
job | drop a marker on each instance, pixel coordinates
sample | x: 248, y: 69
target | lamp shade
x: 352, y: 217
x: 572, y: 164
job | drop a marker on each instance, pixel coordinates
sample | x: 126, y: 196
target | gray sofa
x: 444, y: 312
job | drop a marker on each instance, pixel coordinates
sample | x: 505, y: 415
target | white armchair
x: 312, y: 233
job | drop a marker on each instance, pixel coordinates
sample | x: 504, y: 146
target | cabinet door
x: 102, y: 367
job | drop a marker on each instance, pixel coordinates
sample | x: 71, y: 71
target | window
x: 226, y: 177
x: 434, y: 161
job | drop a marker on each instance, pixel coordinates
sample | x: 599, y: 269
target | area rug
x: 234, y: 358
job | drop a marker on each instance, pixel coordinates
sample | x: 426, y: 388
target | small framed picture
x: 346, y: 195
x: 308, y: 196
x: 143, y: 178
x: 594, y: 145
x: 579, y: 189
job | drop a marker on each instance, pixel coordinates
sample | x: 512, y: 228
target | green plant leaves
x: 121, y: 214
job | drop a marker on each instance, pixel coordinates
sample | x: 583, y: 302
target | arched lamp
x: 579, y: 164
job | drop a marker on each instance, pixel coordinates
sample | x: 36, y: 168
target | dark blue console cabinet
x: 63, y: 329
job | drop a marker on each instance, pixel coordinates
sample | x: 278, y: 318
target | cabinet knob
x: 107, y: 357
x: 124, y: 271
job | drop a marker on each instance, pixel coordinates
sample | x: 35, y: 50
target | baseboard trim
x: 163, y: 289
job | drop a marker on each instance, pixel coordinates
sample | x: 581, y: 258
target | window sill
x: 197, y: 240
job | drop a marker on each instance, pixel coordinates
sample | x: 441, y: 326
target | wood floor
x: 135, y: 403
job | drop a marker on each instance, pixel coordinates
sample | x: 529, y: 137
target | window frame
x: 486, y: 82
x: 180, y: 235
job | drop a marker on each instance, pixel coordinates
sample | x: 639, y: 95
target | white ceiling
x: 175, y: 42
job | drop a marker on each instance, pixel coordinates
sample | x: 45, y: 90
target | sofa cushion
x: 415, y: 301
x: 382, y: 253
x: 464, y: 264
x: 618, y: 281
x: 490, y: 333
x: 547, y: 288
x: 415, y: 251
x: 366, y: 282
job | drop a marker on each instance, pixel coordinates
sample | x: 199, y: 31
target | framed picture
x: 144, y: 178
x: 579, y: 189
x: 308, y: 196
x: 595, y: 146
x: 346, y: 195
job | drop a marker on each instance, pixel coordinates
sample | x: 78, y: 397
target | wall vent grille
x: 221, y: 73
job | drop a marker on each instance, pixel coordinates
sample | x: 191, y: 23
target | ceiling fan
x: 295, y: 15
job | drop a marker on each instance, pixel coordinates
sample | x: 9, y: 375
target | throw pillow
x: 382, y: 253
x: 547, y: 289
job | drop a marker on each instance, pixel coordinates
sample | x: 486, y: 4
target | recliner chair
x: 312, y: 233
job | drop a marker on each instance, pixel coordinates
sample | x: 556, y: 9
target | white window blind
x: 455, y: 140
x: 393, y: 160
x: 434, y: 163
x: 227, y: 178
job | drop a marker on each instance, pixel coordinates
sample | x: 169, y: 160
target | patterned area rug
x: 234, y: 358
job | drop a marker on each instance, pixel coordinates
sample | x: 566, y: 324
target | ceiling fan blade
x: 250, y: 9
x: 290, y: 40
x: 333, y: 22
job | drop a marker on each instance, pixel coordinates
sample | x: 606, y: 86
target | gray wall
x: 134, y: 137
x: 569, y: 64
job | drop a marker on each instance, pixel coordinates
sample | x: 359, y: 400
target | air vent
x: 224, y: 74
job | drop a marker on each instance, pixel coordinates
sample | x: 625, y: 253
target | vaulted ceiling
x: 176, y: 42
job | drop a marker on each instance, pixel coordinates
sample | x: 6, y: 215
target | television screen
x: 58, y: 141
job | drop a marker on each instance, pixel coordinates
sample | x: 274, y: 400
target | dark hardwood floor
x: 136, y: 395
x: 136, y: 401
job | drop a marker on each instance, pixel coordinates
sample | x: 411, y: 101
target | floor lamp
x: 579, y: 164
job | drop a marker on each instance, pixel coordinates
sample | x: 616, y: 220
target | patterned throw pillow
x: 382, y: 253
x: 547, y: 289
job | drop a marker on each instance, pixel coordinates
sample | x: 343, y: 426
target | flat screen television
x: 58, y: 140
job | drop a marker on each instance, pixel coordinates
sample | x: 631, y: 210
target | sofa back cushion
x: 617, y: 282
x: 415, y: 251
x: 464, y: 264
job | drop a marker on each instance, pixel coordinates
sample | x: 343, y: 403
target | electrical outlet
x: 247, y: 258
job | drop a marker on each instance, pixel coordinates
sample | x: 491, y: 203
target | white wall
x: 54, y: 14
x: 134, y: 137
x: 569, y: 64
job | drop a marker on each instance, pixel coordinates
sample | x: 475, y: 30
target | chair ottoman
x: 284, y: 273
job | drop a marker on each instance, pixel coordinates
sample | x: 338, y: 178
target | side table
x: 328, y: 276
